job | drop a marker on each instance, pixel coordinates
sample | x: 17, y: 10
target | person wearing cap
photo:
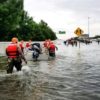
x: 15, y: 56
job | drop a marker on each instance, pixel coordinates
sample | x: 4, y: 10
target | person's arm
x: 6, y: 52
x: 21, y: 54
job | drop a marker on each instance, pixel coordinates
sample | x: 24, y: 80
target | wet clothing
x: 17, y: 62
x: 15, y: 55
x: 52, y: 50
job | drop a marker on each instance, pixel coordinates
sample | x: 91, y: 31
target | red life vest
x: 52, y: 48
x: 27, y: 45
x: 12, y: 50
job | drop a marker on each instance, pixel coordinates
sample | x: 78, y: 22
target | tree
x: 14, y: 21
x: 10, y: 16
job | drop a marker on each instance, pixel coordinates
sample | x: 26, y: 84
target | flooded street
x: 73, y: 75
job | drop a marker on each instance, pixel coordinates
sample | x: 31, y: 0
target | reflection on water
x: 73, y: 75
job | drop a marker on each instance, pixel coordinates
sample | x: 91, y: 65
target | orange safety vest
x: 12, y: 50
x: 52, y: 48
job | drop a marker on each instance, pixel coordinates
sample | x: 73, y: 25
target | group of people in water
x: 15, y: 52
x: 71, y: 41
x: 74, y: 42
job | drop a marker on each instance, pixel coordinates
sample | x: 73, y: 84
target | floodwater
x: 73, y: 75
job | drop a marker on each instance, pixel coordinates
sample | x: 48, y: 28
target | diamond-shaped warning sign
x: 78, y: 31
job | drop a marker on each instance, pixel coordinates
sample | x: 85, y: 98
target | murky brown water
x: 73, y: 75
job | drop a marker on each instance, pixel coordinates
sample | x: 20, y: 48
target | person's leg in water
x: 18, y: 64
x: 52, y: 54
x: 35, y: 55
x: 10, y: 65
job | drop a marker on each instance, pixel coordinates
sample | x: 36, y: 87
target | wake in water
x: 25, y: 69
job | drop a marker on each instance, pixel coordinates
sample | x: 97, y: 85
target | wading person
x: 52, y: 49
x: 15, y: 56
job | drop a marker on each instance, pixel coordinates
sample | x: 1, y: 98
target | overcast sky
x: 66, y: 15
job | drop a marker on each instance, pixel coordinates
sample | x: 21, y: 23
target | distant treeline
x: 14, y: 21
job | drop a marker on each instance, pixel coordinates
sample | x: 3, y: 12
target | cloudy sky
x: 66, y: 15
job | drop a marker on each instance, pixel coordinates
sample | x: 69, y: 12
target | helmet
x: 14, y: 40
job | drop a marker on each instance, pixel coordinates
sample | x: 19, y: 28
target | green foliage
x: 46, y: 31
x: 14, y: 21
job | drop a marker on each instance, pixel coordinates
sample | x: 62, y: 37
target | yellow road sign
x: 78, y: 31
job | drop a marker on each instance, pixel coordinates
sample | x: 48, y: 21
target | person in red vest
x: 46, y: 45
x: 15, y: 56
x: 28, y: 44
x: 52, y: 49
